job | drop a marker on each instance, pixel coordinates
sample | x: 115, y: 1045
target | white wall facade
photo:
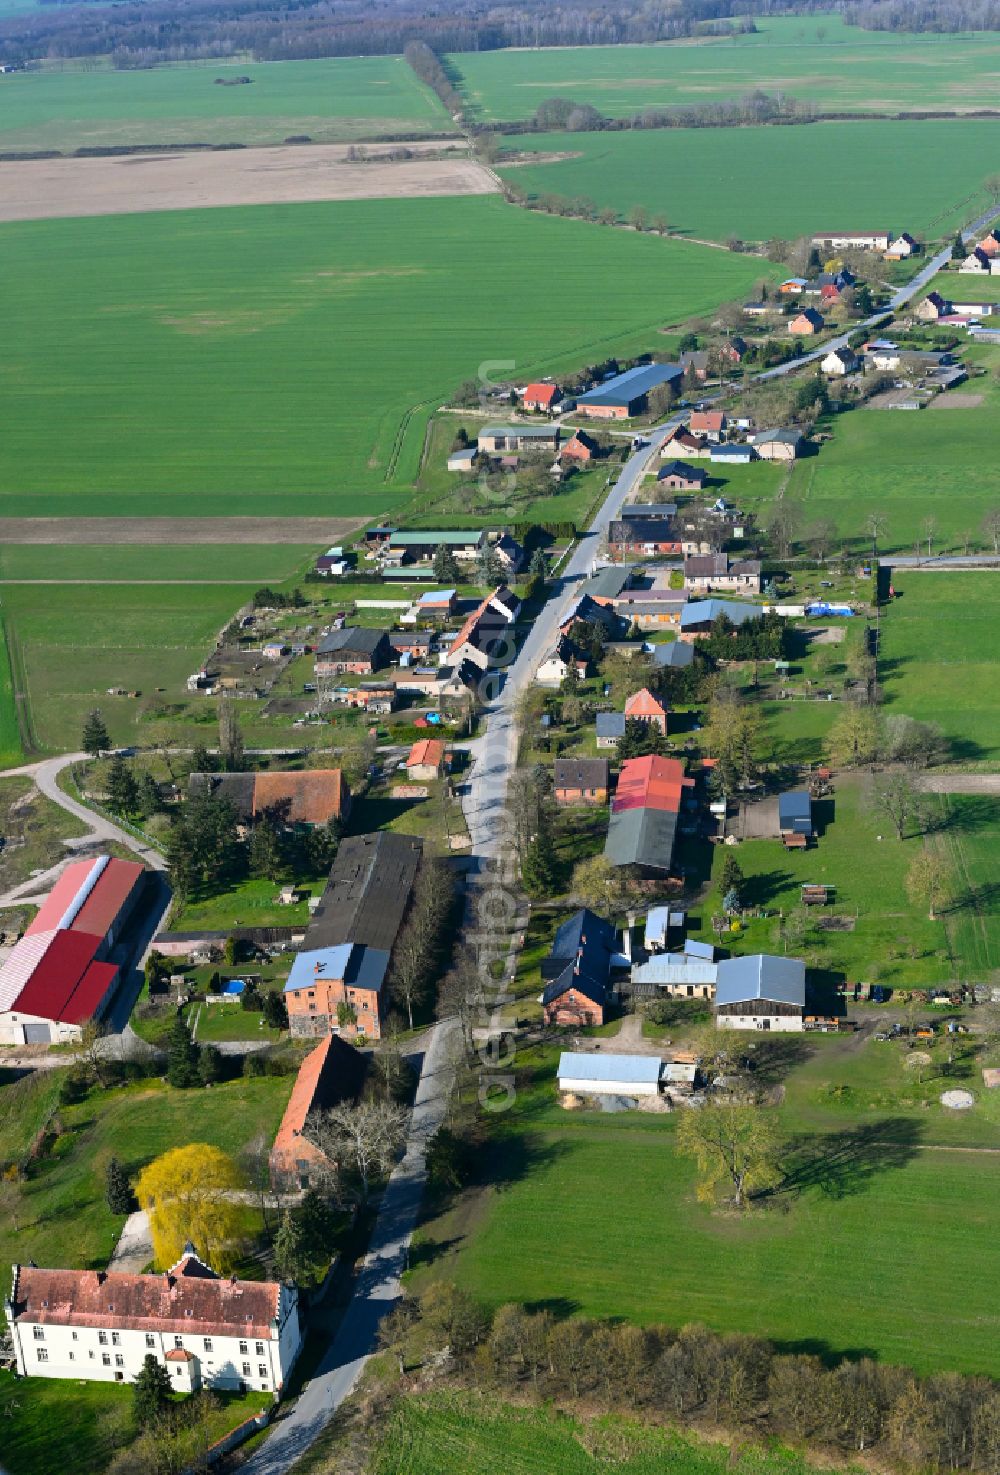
x: 608, y: 1088
x: 12, y: 1029
x: 776, y: 1023
x: 104, y: 1355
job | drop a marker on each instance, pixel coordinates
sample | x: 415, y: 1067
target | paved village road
x: 378, y: 1285
x: 497, y: 751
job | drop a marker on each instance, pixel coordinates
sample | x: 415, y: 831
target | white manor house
x: 210, y: 1331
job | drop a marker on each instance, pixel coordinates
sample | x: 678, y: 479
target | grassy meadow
x: 56, y: 1424
x: 73, y: 642
x: 873, y: 1190
x: 891, y: 938
x: 283, y: 360
x: 816, y: 58
x: 60, y: 1216
x: 935, y: 463
x: 940, y: 661
x: 454, y: 1434
x: 332, y: 100
x: 926, y: 176
x: 967, y: 845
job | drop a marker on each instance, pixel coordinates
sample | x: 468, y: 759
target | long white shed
x: 600, y: 1074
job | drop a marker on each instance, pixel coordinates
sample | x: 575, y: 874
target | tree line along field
x: 283, y: 360
x: 759, y: 183
x: 333, y: 100
x: 877, y: 1183
x: 817, y: 59
x: 457, y: 1433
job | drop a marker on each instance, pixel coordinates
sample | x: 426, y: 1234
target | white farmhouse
x: 209, y: 1331
x: 840, y: 361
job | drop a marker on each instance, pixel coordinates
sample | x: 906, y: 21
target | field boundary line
x: 19, y: 689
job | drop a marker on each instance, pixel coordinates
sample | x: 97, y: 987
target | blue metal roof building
x: 704, y: 611
x: 761, y: 976
x: 795, y: 813
x: 629, y: 389
x: 597, y: 1071
x: 675, y: 655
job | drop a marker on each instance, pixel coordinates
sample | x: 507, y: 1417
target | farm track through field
x: 102, y: 531
x: 131, y: 583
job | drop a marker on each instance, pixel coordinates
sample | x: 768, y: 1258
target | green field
x: 74, y: 642
x: 925, y: 177
x: 874, y: 1191
x: 331, y: 100
x: 126, y: 563
x: 817, y: 59
x: 60, y: 1217
x: 940, y: 659
x: 469, y: 1434
x: 967, y: 842
x: 11, y: 751
x: 282, y: 360
x: 938, y: 462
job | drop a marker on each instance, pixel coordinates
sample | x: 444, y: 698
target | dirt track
x: 40, y: 189
x: 959, y: 783
x: 173, y: 530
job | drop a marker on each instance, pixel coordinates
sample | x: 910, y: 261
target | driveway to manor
x: 379, y: 1283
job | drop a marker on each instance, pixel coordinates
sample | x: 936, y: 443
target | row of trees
x: 732, y: 1381
x: 563, y: 115
x: 142, y: 36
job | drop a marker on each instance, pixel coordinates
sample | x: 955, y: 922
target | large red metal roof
x: 96, y: 911
x: 66, y: 984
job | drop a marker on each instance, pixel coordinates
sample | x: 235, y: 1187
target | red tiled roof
x: 186, y: 1299
x: 707, y: 420
x: 683, y: 437
x: 333, y: 1071
x: 542, y: 394
x: 312, y: 797
x: 651, y: 783
x: 644, y: 704
x: 504, y: 597
x: 427, y: 750
x: 180, y: 1354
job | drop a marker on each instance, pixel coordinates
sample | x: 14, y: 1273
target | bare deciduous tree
x: 362, y: 1141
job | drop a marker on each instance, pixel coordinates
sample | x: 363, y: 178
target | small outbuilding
x: 795, y: 821
x: 598, y: 1074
